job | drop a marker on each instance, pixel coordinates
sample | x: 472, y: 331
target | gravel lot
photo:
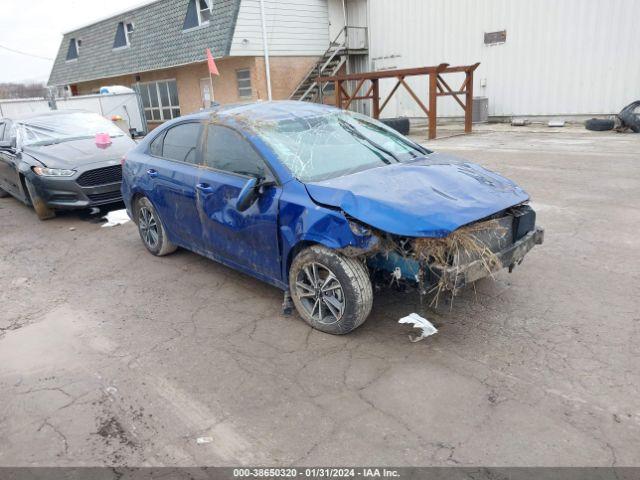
x: 111, y: 356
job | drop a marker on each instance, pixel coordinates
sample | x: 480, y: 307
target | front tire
x: 151, y: 230
x: 42, y: 210
x: 331, y: 292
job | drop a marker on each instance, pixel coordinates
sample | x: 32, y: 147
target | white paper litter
x: 202, y: 440
x: 418, y: 322
x: 116, y: 217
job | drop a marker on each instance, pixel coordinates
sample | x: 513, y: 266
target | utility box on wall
x: 480, y: 109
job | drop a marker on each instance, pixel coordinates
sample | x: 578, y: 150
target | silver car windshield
x: 50, y: 129
x: 335, y: 144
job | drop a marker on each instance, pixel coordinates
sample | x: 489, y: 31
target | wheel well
x: 23, y: 184
x: 297, y: 248
x: 134, y: 201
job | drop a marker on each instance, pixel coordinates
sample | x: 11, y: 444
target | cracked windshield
x: 329, y: 146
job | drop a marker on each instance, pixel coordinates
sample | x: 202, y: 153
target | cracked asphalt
x: 109, y: 356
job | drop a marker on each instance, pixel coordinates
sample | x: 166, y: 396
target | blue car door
x: 248, y: 239
x: 171, y: 173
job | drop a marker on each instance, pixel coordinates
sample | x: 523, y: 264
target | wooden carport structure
x: 438, y: 87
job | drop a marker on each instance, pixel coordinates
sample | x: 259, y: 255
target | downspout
x: 344, y: 12
x: 265, y: 48
x: 346, y: 34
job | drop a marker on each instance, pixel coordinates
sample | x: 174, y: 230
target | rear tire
x: 331, y: 292
x: 42, y: 210
x: 151, y: 230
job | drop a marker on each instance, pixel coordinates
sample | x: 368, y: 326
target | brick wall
x: 286, y: 73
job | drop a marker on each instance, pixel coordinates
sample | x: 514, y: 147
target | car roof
x: 266, y: 111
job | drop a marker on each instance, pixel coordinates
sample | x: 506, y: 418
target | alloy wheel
x: 148, y: 227
x: 320, y: 293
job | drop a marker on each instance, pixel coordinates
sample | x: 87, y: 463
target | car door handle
x: 204, y: 187
x: 152, y: 173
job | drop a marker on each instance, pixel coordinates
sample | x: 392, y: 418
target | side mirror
x: 247, y: 195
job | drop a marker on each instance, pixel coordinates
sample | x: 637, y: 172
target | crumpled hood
x: 429, y: 197
x: 75, y: 153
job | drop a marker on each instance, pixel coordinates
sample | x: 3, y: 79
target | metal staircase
x: 330, y: 64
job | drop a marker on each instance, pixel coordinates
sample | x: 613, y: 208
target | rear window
x: 181, y: 142
x: 156, y: 145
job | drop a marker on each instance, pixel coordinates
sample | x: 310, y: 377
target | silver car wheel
x: 320, y: 293
x: 148, y: 228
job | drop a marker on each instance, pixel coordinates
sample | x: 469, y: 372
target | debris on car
x: 446, y: 264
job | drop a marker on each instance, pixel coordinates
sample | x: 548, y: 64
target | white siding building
x: 560, y: 57
x: 294, y: 28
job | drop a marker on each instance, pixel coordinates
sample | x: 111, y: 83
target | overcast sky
x: 36, y: 27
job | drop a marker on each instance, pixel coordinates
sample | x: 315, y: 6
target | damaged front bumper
x: 456, y: 277
x: 465, y: 256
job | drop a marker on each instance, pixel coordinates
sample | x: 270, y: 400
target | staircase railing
x: 317, y: 72
x: 338, y: 46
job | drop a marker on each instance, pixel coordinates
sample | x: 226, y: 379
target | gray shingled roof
x: 158, y: 41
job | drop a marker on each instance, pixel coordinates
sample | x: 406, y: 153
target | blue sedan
x: 320, y: 203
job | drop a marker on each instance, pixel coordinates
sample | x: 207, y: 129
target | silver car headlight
x: 53, y: 172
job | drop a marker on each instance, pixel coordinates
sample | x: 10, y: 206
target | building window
x: 199, y: 13
x: 160, y: 100
x: 204, y: 11
x: 129, y: 32
x: 74, y: 49
x: 123, y: 35
x: 244, y: 83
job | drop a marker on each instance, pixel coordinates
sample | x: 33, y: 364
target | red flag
x: 212, y: 65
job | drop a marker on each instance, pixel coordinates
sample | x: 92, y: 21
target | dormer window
x: 199, y: 13
x: 123, y: 35
x: 205, y: 11
x: 74, y: 49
